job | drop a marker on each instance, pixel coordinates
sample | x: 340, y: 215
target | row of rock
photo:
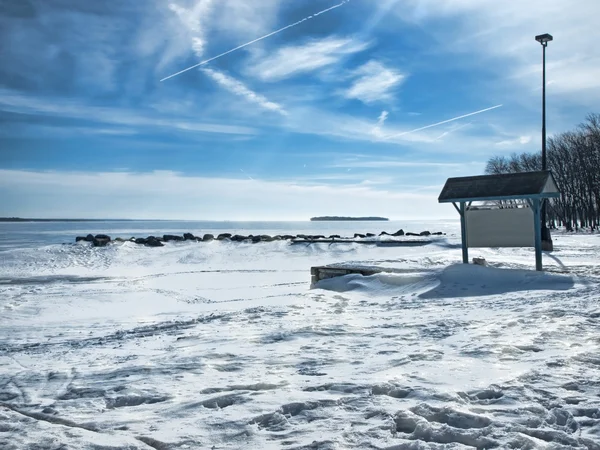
x: 101, y: 240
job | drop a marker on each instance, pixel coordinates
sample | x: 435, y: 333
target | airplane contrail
x: 256, y: 40
x: 443, y: 122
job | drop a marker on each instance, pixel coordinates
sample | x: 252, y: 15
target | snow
x: 224, y: 345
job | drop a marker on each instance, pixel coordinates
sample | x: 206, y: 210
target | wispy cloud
x: 256, y: 40
x: 396, y: 163
x: 373, y: 82
x: 377, y: 132
x: 239, y: 88
x: 121, y: 117
x: 193, y: 19
x: 443, y: 122
x: 296, y: 59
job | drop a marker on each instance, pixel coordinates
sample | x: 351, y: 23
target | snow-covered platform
x: 319, y: 273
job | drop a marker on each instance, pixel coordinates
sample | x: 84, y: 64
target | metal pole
x: 544, y: 166
x: 544, y: 163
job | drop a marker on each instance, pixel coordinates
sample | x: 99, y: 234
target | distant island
x: 341, y: 219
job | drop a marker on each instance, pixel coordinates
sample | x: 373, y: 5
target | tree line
x: 574, y: 159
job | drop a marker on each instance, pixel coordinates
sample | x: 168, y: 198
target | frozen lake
x: 224, y: 345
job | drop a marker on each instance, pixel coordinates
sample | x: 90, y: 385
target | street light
x: 544, y: 39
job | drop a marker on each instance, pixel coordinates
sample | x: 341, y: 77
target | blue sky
x: 316, y: 119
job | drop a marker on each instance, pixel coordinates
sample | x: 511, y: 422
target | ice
x: 224, y: 345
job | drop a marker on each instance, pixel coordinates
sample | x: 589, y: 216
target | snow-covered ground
x: 224, y: 345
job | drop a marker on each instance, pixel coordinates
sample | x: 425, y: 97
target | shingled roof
x: 499, y: 187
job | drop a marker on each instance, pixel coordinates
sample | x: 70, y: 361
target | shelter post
x: 538, y: 233
x: 463, y: 233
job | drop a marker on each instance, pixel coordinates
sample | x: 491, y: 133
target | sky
x: 346, y: 112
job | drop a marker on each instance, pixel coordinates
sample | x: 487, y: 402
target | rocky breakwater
x: 101, y: 240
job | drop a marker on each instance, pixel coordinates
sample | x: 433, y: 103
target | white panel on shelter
x: 512, y: 227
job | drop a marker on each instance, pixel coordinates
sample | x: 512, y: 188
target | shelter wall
x: 512, y: 227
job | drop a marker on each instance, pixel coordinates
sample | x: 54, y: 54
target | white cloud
x: 292, y: 60
x: 520, y: 141
x: 193, y: 19
x: 380, y: 122
x: 121, y: 117
x: 239, y: 88
x: 373, y: 82
x: 168, y: 195
x: 503, y: 35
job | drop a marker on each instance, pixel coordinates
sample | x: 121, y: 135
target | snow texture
x: 224, y: 345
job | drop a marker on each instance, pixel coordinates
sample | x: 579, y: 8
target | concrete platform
x: 319, y: 273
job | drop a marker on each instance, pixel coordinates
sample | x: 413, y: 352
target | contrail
x: 256, y: 40
x: 242, y: 170
x: 443, y: 122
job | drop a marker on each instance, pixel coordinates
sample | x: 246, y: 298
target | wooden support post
x: 537, y: 224
x: 463, y: 233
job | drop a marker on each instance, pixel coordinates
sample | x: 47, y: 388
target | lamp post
x: 544, y: 39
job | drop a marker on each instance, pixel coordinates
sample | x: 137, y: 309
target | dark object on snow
x: 425, y: 233
x: 288, y: 237
x: 171, y: 237
x: 411, y: 234
x: 223, y: 236
x: 152, y: 241
x: 208, y: 237
x: 101, y: 240
x: 335, y: 236
x: 370, y: 235
x: 189, y: 237
x: 238, y: 238
x: 398, y: 233
x: 141, y: 241
x: 358, y: 235
x: 437, y: 233
x: 384, y: 233
x: 80, y: 238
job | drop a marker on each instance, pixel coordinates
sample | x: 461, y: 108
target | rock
x: 317, y: 236
x: 89, y: 238
x: 255, y: 239
x: 172, y: 237
x: 141, y: 240
x: 411, y: 234
x: 288, y: 237
x: 101, y: 240
x: 189, y: 237
x: 208, y: 237
x: 358, y: 235
x: 266, y: 238
x: 398, y: 233
x: 480, y: 261
x: 425, y: 233
x: 335, y: 236
x: 302, y: 236
x: 151, y: 241
x: 370, y: 235
x: 385, y: 233
x: 238, y: 238
x: 119, y: 239
x: 80, y: 238
x: 277, y: 238
x: 437, y: 233
x: 223, y: 236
